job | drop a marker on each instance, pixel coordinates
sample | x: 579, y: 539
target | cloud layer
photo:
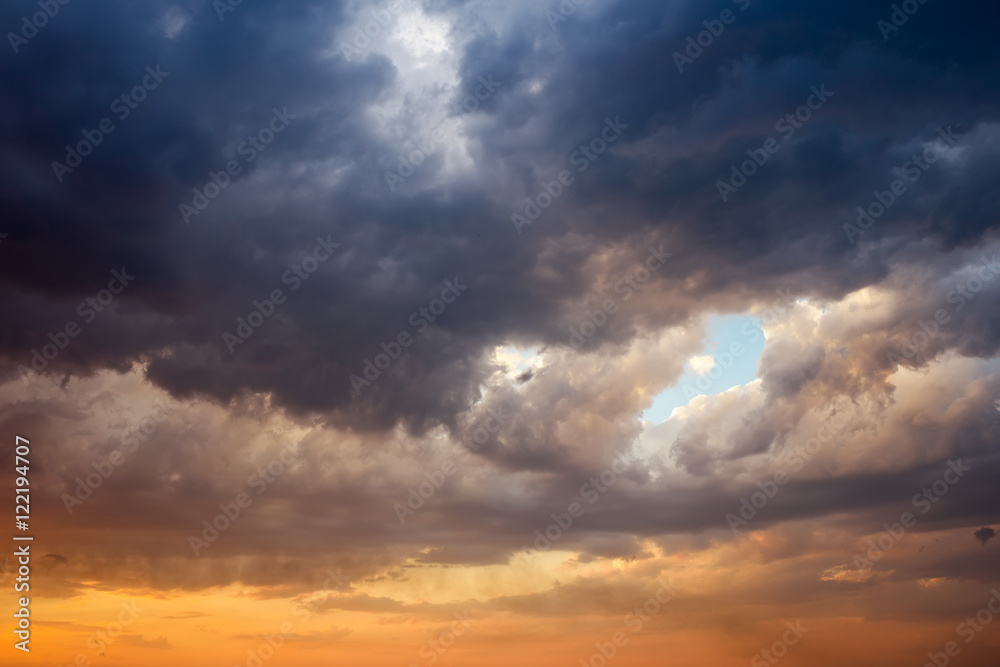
x: 446, y: 265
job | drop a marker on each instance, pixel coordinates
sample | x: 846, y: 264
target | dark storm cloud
x: 984, y: 535
x: 120, y: 207
x: 865, y: 395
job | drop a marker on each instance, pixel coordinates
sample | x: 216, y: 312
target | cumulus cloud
x: 882, y: 329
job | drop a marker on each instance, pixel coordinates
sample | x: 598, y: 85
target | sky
x: 440, y: 332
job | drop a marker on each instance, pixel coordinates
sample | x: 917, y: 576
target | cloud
x: 880, y: 362
x: 702, y: 364
x: 984, y: 535
x: 524, y: 290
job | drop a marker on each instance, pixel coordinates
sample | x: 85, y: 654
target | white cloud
x: 702, y: 364
x: 173, y: 21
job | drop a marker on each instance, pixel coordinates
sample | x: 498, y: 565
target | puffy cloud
x: 878, y: 302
